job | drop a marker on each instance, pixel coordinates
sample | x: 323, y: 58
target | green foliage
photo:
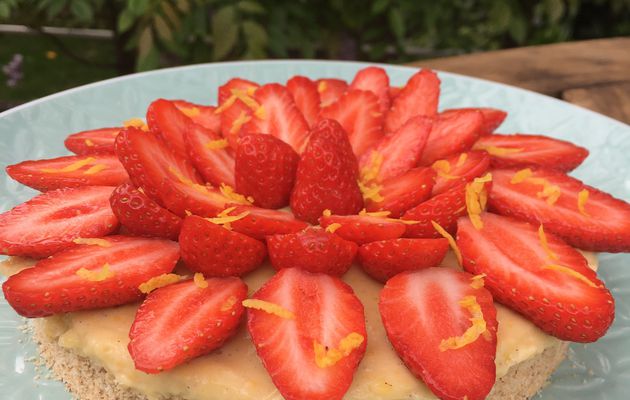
x: 166, y: 32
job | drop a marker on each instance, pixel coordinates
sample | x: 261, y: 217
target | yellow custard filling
x: 234, y: 371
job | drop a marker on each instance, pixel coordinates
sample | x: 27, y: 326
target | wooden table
x: 594, y: 74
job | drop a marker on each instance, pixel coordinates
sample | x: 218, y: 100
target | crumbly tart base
x: 88, y: 381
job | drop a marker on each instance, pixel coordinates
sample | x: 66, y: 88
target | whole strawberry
x: 327, y: 175
x: 265, y: 169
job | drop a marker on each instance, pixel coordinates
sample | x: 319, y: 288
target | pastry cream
x: 234, y: 371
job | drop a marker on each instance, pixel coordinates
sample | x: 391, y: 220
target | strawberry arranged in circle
x: 385, y: 258
x: 492, y: 117
x: 103, y: 272
x: 452, y: 133
x: 93, y: 141
x: 233, y: 116
x: 142, y: 216
x: 375, y: 80
x: 69, y: 171
x: 458, y: 169
x: 443, y: 325
x: 210, y: 155
x: 49, y: 222
x: 184, y: 198
x: 520, y: 150
x: 234, y: 85
x: 330, y: 90
x: 265, y: 169
x: 444, y: 209
x: 580, y: 214
x: 327, y: 175
x: 313, y: 337
x: 418, y: 97
x: 312, y: 249
x: 179, y: 322
x: 215, y: 250
x: 538, y: 275
x: 306, y: 98
x: 259, y: 223
x: 166, y: 120
x: 205, y: 116
x: 363, y: 228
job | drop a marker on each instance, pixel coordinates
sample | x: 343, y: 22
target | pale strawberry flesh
x: 375, y: 80
x: 452, y: 134
x: 362, y: 229
x: 306, y: 98
x: 418, y: 97
x: 462, y: 168
x: 206, y: 152
x: 94, y: 141
x: 403, y: 192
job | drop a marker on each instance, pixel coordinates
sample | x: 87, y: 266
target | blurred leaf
x: 163, y: 30
x: 555, y: 10
x: 126, y: 20
x: 82, y: 10
x: 145, y: 42
x: 150, y: 61
x: 518, y: 30
x: 379, y: 6
x: 251, y: 7
x: 224, y: 31
x: 500, y: 15
x: 396, y: 23
x: 138, y: 7
x: 256, y: 39
x: 183, y: 5
x: 5, y: 10
x: 55, y: 8
x: 171, y: 14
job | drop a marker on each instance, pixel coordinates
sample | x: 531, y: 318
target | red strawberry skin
x: 44, y: 175
x: 52, y: 286
x: 265, y: 169
x: 444, y: 209
x: 183, y: 321
x: 327, y: 175
x: 385, y: 258
x: 510, y: 254
x: 533, y: 150
x: 419, y: 97
x: 330, y: 90
x: 475, y: 165
x: 167, y: 121
x: 375, y: 80
x: 216, y: 165
x: 216, y: 251
x: 285, y: 346
x: 141, y: 215
x: 306, y: 97
x: 403, y: 192
x: 201, y: 115
x: 419, y: 309
x: 492, y: 117
x: 261, y: 222
x: 93, y: 141
x: 182, y: 199
x: 226, y: 90
x: 362, y: 228
x: 313, y: 250
x: 49, y: 222
x: 605, y: 228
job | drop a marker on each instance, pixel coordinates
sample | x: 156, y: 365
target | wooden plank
x: 611, y: 99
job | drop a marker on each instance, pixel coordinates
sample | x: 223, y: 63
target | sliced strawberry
x: 452, y: 133
x: 296, y: 352
x: 179, y: 322
x: 94, y: 141
x: 422, y: 310
x: 518, y: 150
x: 49, y: 222
x: 233, y: 117
x: 183, y: 198
x: 394, y: 91
x: 214, y: 250
x: 359, y: 114
x: 419, y: 97
x: 278, y: 115
x: 330, y: 90
x: 363, y: 228
x: 102, y: 274
x: 261, y: 222
x: 601, y: 223
x: 458, y: 169
x: 386, y: 258
x: 265, y: 169
x: 375, y: 80
x: 551, y: 284
x: 397, y: 153
x: 327, y: 175
x: 401, y: 193
x: 312, y: 249
x: 209, y: 154
x: 69, y: 171
x: 141, y: 215
x: 492, y: 117
x: 166, y: 120
x: 227, y: 90
x: 306, y: 97
x: 205, y: 116
x: 444, y: 209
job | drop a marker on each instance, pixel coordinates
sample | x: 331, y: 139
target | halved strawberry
x: 227, y: 90
x: 544, y: 279
x: 209, y: 154
x: 375, y: 80
x: 580, y: 214
x: 233, y: 117
x: 102, y: 273
x: 401, y: 193
x: 265, y: 169
x: 179, y: 322
x: 397, y: 153
x: 444, y: 328
x: 359, y: 114
x: 492, y: 117
x: 518, y: 150
x: 312, y: 249
x: 141, y: 215
x: 306, y: 97
x: 385, y: 258
x: 419, y: 97
x: 49, y: 222
x: 458, y: 169
x: 200, y: 114
x: 363, y: 228
x: 330, y: 90
x: 451, y: 134
x: 166, y: 120
x: 69, y: 171
x: 444, y: 209
x: 322, y: 315
x: 278, y: 115
x: 93, y: 141
x: 327, y: 175
x: 214, y: 250
x: 261, y: 222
